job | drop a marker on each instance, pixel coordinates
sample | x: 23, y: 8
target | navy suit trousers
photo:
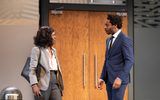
x: 115, y: 94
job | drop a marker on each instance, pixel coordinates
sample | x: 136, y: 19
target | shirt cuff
x: 102, y: 80
x: 118, y: 78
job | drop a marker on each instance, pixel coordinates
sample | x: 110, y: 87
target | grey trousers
x: 53, y: 91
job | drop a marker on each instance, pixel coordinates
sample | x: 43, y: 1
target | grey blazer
x: 45, y: 73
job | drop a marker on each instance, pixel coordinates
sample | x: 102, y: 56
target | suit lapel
x: 115, y: 43
x: 107, y: 46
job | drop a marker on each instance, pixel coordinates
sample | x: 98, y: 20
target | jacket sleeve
x: 33, y: 64
x: 128, y: 56
x: 104, y: 74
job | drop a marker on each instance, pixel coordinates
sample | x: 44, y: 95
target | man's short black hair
x: 115, y: 20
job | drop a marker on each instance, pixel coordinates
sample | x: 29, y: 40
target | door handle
x: 95, y: 70
x: 84, y: 70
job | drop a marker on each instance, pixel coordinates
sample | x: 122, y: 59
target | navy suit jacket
x: 118, y: 60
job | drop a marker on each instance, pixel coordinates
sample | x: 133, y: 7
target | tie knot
x: 111, y: 40
x: 112, y: 37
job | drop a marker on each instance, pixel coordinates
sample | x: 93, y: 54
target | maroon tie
x: 111, y: 40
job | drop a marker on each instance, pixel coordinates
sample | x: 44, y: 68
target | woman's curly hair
x: 44, y: 37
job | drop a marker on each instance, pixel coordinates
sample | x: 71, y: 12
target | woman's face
x: 54, y: 36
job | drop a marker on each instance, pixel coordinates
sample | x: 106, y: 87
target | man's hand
x: 117, y: 83
x: 36, y: 90
x: 100, y: 84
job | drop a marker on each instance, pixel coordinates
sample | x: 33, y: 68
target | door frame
x: 45, y: 6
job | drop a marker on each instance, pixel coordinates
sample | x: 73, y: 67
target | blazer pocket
x: 117, y: 67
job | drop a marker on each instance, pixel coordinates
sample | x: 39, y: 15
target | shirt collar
x: 117, y: 33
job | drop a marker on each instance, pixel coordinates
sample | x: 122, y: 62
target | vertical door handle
x: 84, y: 70
x: 95, y: 70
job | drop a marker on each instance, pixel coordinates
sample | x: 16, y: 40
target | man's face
x: 108, y: 27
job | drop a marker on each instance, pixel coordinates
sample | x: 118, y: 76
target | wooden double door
x: 80, y: 44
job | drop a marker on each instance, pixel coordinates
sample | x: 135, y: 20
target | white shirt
x: 52, y: 61
x: 115, y: 36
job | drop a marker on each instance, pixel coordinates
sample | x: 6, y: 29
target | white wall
x: 19, y: 21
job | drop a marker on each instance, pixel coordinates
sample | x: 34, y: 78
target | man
x: 119, y: 59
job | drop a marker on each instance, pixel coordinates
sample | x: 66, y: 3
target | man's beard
x: 108, y: 31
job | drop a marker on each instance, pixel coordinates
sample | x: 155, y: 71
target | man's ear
x: 114, y: 26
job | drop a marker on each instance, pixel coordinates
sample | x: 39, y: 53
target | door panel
x: 72, y: 44
x: 97, y: 47
x: 97, y: 52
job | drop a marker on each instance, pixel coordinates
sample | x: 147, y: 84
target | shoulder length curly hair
x: 44, y: 37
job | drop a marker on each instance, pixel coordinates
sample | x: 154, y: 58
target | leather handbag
x: 26, y: 70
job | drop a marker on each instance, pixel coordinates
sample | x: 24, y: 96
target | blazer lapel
x: 107, y: 46
x: 115, y: 43
x: 59, y: 74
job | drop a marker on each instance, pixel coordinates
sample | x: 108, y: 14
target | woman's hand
x: 36, y: 90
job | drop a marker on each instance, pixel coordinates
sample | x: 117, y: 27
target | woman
x: 49, y: 85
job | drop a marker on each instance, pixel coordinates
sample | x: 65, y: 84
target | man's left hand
x: 117, y: 83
